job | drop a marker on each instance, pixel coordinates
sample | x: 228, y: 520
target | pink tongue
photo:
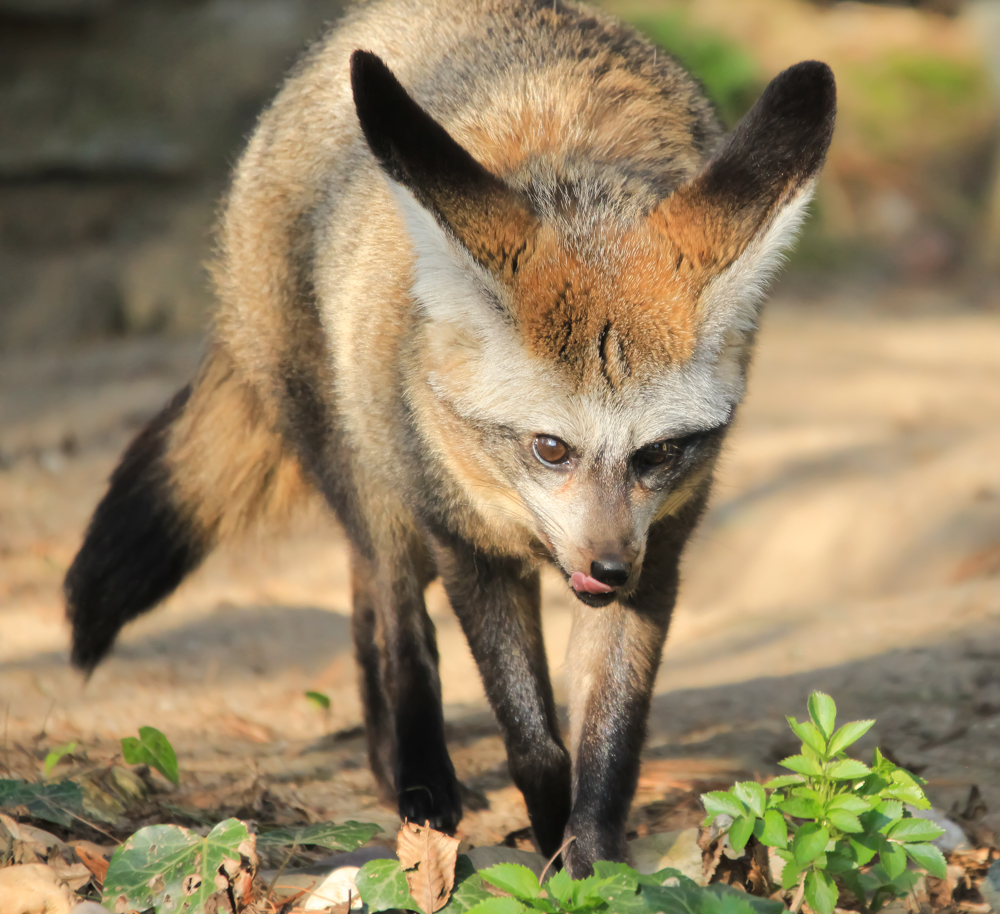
x: 584, y: 582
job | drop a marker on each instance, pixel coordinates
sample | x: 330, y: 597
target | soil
x: 853, y: 545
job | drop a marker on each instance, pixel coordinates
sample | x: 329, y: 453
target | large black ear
x: 487, y: 216
x: 764, y: 168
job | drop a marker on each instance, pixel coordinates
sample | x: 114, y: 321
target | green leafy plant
x: 152, y: 748
x: 835, y: 822
x: 59, y: 802
x: 614, y: 887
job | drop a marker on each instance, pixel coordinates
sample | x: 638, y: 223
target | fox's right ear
x: 492, y: 221
x: 728, y: 227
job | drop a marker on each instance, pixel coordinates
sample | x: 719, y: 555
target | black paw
x: 431, y: 796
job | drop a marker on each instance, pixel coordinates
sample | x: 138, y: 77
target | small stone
x: 676, y: 849
x: 953, y: 838
x: 990, y: 887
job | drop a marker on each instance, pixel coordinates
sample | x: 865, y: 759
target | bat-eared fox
x: 489, y: 274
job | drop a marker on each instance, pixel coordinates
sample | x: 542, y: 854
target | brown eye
x: 656, y: 455
x: 551, y: 451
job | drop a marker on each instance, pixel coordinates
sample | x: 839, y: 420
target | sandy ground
x: 853, y: 545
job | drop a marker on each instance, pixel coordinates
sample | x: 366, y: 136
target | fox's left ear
x: 474, y: 207
x: 728, y: 227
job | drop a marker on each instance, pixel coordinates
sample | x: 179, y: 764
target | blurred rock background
x: 118, y: 124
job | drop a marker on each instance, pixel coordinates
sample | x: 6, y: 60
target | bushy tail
x: 202, y: 470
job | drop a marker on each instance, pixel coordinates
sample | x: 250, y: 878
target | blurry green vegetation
x: 906, y: 104
x: 729, y: 73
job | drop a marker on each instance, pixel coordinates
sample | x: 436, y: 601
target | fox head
x: 582, y: 352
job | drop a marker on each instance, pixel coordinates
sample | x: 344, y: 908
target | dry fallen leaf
x: 93, y: 857
x: 428, y: 857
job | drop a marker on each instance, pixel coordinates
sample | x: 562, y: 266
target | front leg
x: 613, y: 657
x: 497, y: 602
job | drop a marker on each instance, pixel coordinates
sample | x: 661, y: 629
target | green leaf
x: 52, y: 759
x: 809, y: 842
x: 783, y: 780
x: 882, y: 817
x: 346, y: 837
x: 849, y: 734
x: 752, y: 794
x: 59, y: 803
x: 740, y: 832
x: 790, y: 875
x: 802, y: 765
x: 845, y: 821
x: 560, y: 886
x: 801, y: 807
x: 850, y: 803
x: 928, y: 857
x: 892, y: 857
x: 864, y: 849
x: 848, y: 769
x: 823, y: 712
x: 722, y: 802
x: 809, y: 734
x: 382, y: 886
x: 469, y: 891
x: 513, y: 878
x: 152, y: 748
x: 319, y: 699
x: 496, y: 905
x: 914, y: 829
x: 728, y: 894
x: 821, y: 892
x: 172, y: 869
x: 774, y: 830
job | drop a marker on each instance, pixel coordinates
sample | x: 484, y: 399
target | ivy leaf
x: 802, y: 765
x: 57, y: 803
x: 809, y: 842
x: 848, y: 769
x: 823, y: 712
x: 905, y: 830
x: 809, y: 734
x: 346, y: 837
x: 382, y: 886
x: 849, y: 734
x: 821, y: 891
x: 752, y: 794
x: 498, y: 906
x: 174, y: 869
x: 928, y: 857
x: 740, y: 832
x: 722, y: 802
x: 864, y: 849
x: 152, y: 748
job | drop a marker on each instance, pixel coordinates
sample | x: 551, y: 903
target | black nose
x: 611, y: 572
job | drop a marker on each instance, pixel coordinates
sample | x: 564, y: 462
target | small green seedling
x: 319, y: 699
x: 152, y: 748
x: 56, y: 755
x: 834, y: 816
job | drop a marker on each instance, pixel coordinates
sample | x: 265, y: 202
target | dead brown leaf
x: 93, y: 857
x: 428, y: 858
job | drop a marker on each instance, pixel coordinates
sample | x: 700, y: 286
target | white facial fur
x: 480, y: 369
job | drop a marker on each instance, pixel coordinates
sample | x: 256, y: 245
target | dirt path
x: 853, y: 545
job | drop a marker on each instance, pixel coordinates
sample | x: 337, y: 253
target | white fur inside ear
x: 447, y: 283
x: 730, y: 303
